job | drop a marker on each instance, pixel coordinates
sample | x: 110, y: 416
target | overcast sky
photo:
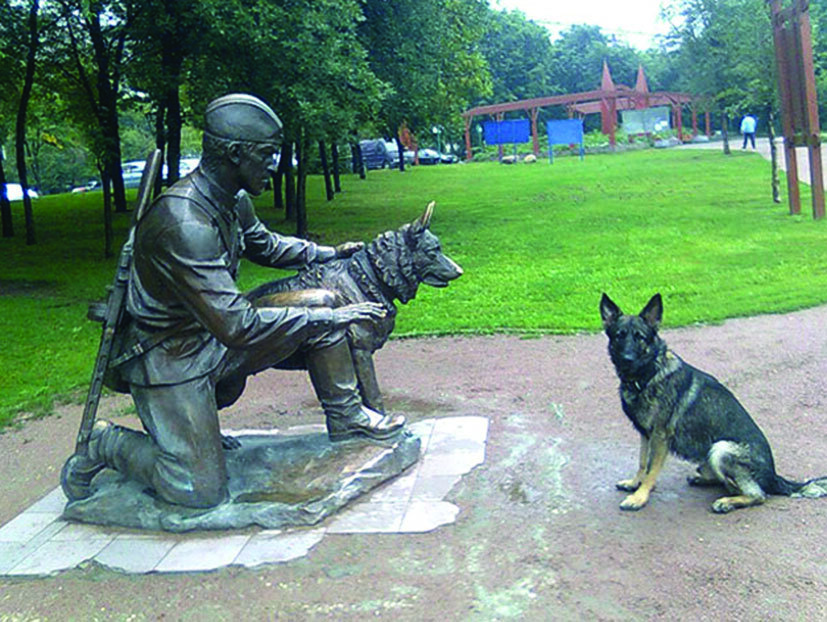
x: 634, y: 21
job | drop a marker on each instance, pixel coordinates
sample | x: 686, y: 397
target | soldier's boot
x: 80, y: 469
x: 127, y: 451
x: 334, y: 379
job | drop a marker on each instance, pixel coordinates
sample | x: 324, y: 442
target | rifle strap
x: 145, y: 345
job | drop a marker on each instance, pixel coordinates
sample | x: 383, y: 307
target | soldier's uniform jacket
x: 182, y: 286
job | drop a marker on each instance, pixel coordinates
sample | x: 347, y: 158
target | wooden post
x: 799, y: 106
x: 804, y: 48
x: 468, y: 154
x: 535, y: 142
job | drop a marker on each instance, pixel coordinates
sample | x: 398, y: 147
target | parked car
x: 14, y: 192
x: 428, y: 156
x: 92, y: 184
x: 375, y: 153
x: 393, y: 152
x: 448, y: 158
x: 132, y: 172
x: 185, y: 167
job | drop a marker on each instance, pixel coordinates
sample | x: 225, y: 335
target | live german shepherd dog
x: 389, y: 269
x: 676, y: 407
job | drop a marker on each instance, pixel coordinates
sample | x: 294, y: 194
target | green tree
x: 727, y: 53
x: 519, y: 56
x: 31, y: 44
x: 92, y: 54
x: 302, y: 57
x: 428, y: 52
x: 166, y: 35
x: 578, y: 56
x: 11, y: 35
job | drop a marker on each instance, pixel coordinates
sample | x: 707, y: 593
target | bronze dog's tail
x: 812, y: 488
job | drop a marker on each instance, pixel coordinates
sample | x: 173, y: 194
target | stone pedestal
x: 275, y: 481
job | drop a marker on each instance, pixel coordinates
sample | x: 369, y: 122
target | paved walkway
x: 762, y: 146
x: 40, y: 542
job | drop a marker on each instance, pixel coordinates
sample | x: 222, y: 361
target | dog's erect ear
x: 424, y: 221
x: 653, y: 311
x: 609, y: 311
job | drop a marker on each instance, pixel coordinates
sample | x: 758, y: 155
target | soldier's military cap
x: 239, y: 116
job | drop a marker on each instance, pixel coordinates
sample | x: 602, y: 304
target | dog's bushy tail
x: 812, y: 488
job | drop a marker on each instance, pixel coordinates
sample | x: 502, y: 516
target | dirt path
x: 539, y: 535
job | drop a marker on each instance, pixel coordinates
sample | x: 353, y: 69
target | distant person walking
x: 748, y: 130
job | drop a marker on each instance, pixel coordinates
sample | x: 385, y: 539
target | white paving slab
x: 203, y: 553
x: 135, y: 554
x: 423, y: 516
x: 39, y: 542
x: 370, y: 517
x: 26, y: 526
x: 54, y: 556
x: 269, y: 547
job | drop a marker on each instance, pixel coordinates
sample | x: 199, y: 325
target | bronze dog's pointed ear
x: 609, y: 311
x: 653, y: 311
x: 424, y: 221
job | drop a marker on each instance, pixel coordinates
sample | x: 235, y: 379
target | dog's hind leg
x: 631, y: 485
x: 730, y: 463
x: 704, y: 476
x: 656, y: 456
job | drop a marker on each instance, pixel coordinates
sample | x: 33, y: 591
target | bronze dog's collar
x: 363, y: 273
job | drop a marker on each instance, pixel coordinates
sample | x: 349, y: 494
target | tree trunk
x: 5, y: 205
x: 107, y: 212
x: 301, y: 187
x: 289, y: 181
x: 334, y: 154
x: 172, y: 61
x: 400, y: 150
x: 160, y: 143
x: 112, y: 141
x: 276, y: 179
x: 173, y: 135
x: 358, y: 163
x: 724, y: 133
x: 108, y: 77
x: 328, y: 181
x: 774, y: 183
x: 20, y: 128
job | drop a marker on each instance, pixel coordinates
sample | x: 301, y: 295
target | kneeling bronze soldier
x: 191, y: 338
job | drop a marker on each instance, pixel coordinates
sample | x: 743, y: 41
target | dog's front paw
x: 722, y: 506
x: 634, y: 502
x: 629, y: 485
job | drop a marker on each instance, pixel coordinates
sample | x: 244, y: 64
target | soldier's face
x: 255, y: 167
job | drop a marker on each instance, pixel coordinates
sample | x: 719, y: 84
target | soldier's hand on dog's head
x: 346, y: 249
x: 359, y: 312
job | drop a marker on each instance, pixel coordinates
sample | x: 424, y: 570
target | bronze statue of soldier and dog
x: 182, y: 339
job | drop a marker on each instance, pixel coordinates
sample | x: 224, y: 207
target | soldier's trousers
x: 181, y: 456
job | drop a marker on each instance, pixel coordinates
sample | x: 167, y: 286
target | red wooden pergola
x: 607, y: 100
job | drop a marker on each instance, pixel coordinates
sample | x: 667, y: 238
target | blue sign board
x: 564, y: 132
x: 506, y: 132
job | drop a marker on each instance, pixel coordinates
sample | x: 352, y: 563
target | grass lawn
x: 539, y: 243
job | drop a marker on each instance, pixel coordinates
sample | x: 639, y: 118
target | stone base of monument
x: 275, y: 481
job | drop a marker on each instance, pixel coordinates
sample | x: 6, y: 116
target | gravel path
x: 539, y: 535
